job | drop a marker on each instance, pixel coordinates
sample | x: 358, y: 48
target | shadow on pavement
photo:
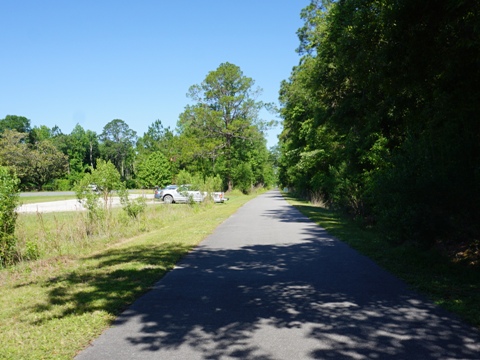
x: 294, y: 292
x: 337, y: 304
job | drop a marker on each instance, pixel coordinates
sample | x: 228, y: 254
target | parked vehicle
x: 184, y: 194
x: 158, y: 190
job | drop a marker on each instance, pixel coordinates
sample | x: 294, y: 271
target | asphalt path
x: 270, y: 284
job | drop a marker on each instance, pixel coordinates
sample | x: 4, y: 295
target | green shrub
x: 153, y: 171
x: 184, y: 177
x: 134, y: 184
x: 9, y: 200
x: 48, y: 186
x: 96, y: 189
x: 213, y: 183
x: 134, y: 207
x: 31, y: 251
x: 63, y: 185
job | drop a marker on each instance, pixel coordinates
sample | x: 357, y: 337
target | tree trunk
x: 91, y: 154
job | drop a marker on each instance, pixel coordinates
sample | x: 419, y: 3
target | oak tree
x: 224, y: 116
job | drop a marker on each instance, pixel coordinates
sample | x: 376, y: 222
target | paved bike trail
x: 270, y: 284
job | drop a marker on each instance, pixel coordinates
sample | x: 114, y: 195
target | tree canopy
x: 223, y: 120
x: 219, y: 136
x: 34, y: 164
x: 14, y: 122
x: 381, y: 115
x: 154, y: 171
x: 117, y: 144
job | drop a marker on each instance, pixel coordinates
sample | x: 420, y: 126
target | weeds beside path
x: 53, y: 307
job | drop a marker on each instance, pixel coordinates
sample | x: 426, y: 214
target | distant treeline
x: 219, y: 135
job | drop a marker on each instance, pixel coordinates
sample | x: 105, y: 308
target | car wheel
x: 168, y: 199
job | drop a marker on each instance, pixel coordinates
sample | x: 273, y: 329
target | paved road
x: 67, y: 205
x: 270, y: 284
x: 46, y: 193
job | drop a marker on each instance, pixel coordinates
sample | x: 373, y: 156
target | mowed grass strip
x: 54, y: 307
x: 453, y: 285
x: 35, y: 199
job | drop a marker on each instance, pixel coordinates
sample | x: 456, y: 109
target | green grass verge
x: 55, y: 306
x: 454, y: 286
x: 39, y: 199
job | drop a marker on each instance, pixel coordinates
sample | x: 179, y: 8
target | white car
x: 184, y: 194
x: 158, y: 190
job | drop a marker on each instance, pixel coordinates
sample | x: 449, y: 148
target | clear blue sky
x: 65, y: 62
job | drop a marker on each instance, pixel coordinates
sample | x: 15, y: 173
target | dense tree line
x: 220, y: 134
x: 381, y: 115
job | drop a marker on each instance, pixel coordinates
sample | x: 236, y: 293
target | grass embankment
x: 453, y: 285
x: 34, y: 199
x: 54, y: 306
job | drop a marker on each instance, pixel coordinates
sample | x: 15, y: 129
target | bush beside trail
x: 9, y: 199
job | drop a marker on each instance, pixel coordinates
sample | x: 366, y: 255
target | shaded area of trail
x: 270, y: 284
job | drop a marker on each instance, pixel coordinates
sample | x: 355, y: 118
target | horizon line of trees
x: 381, y: 116
x: 220, y: 134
